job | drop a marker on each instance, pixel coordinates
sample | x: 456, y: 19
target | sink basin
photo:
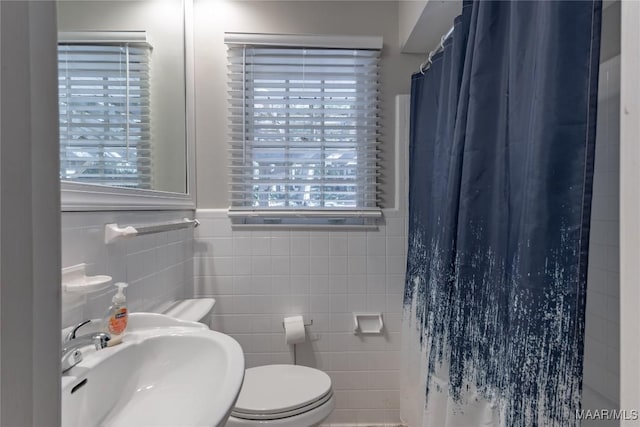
x: 166, y: 372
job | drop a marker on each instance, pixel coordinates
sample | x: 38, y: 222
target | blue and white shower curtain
x: 501, y: 165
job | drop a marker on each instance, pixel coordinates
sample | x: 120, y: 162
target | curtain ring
x: 427, y: 63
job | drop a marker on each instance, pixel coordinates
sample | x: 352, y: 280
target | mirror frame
x: 87, y: 197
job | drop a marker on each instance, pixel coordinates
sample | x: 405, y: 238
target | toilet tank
x: 193, y: 310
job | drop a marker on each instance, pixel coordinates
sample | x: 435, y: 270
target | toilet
x: 271, y: 395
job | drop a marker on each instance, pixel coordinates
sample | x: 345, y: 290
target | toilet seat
x: 280, y: 391
x: 287, y: 414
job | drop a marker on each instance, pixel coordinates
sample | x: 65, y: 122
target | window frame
x: 76, y: 196
x: 351, y: 217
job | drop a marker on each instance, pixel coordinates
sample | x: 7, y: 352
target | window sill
x: 305, y: 218
x: 86, y: 197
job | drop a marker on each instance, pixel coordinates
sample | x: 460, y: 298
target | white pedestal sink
x: 166, y: 372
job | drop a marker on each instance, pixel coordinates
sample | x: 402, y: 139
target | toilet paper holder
x: 295, y: 358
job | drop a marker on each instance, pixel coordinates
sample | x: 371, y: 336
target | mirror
x: 122, y: 94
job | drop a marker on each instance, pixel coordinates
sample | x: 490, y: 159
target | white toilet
x: 271, y: 395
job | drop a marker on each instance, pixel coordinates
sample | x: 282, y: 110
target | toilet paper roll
x: 294, y: 332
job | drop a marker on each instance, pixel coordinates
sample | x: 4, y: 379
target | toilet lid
x: 274, y: 389
x: 193, y: 310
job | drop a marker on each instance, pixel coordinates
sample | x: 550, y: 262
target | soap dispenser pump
x: 117, y: 316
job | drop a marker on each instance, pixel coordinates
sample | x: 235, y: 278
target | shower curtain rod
x: 426, y: 64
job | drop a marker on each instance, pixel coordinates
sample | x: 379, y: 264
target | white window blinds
x: 104, y: 114
x: 304, y: 130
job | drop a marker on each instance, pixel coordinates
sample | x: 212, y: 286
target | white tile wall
x: 259, y: 277
x: 602, y: 342
x: 158, y: 267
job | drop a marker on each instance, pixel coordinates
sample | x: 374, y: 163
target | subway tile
x: 357, y: 284
x: 241, y: 246
x: 260, y: 324
x: 393, y: 322
x: 251, y: 304
x: 376, y: 246
x: 320, y: 342
x: 319, y: 245
x: 341, y: 322
x: 394, y: 303
x: 299, y: 265
x: 260, y: 265
x: 260, y: 246
x: 338, y: 284
x: 319, y: 303
x: 224, y: 305
x: 319, y: 264
x: 395, y: 283
x: 297, y: 304
x: 242, y: 265
x: 357, y: 245
x: 219, y: 266
x: 357, y: 265
x: 300, y: 284
x: 207, y: 286
x: 396, y: 246
x: 337, y: 304
x: 319, y: 284
x: 261, y: 285
x: 217, y: 246
x: 395, y: 227
x: 376, y: 283
x: 396, y: 265
x: 338, y: 265
x: 281, y: 285
x: 258, y: 278
x: 213, y: 227
x: 376, y: 265
x: 356, y: 302
x: 376, y: 302
x: 280, y: 246
x: 280, y: 265
x: 136, y: 266
x: 338, y: 245
x: 320, y: 322
x: 300, y: 245
x: 73, y: 247
x: 260, y: 234
x: 338, y: 361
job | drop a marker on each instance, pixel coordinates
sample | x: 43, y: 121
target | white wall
x: 259, y: 277
x: 602, y: 340
x: 158, y: 267
x: 423, y: 23
x: 630, y: 210
x: 164, y: 23
x: 602, y: 330
x: 29, y: 216
x: 409, y: 13
x: 213, y: 18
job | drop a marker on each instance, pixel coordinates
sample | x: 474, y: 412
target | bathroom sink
x: 166, y: 372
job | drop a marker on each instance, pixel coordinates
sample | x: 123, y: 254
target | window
x: 105, y: 135
x: 304, y: 132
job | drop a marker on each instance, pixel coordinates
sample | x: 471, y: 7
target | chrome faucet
x: 71, y: 354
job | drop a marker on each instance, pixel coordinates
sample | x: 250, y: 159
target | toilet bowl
x: 271, y: 395
x: 283, y: 396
